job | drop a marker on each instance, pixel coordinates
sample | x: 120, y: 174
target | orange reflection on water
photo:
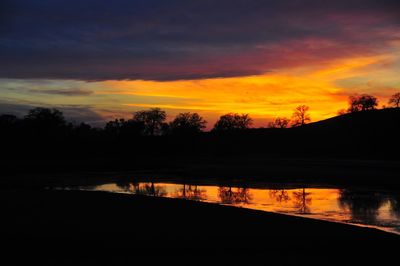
x: 302, y: 201
x: 341, y: 205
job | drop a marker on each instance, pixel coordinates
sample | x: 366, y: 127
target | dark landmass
x: 243, y: 170
x: 49, y: 227
x: 359, y: 148
x: 95, y: 228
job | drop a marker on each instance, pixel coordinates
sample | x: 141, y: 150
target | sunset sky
x: 99, y: 59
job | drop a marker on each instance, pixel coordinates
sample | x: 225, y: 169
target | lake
x: 362, y: 207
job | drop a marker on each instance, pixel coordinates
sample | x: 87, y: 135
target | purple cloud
x: 177, y: 39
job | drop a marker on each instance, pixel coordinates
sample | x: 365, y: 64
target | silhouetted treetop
x: 394, y: 100
x: 233, y: 121
x: 279, y: 122
x: 152, y: 120
x: 300, y: 116
x: 46, y: 117
x: 124, y: 128
x: 187, y: 123
x: 114, y: 127
x: 8, y: 120
x: 362, y: 102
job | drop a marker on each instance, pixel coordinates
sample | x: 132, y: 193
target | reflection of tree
x: 234, y: 196
x: 152, y: 190
x: 395, y: 205
x: 364, y: 206
x: 302, y: 200
x: 279, y: 195
x: 149, y: 189
x: 123, y: 185
x: 191, y: 192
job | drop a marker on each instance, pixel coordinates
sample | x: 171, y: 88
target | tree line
x: 52, y: 123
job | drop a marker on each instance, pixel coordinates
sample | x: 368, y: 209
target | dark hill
x: 387, y: 120
x: 369, y: 134
x: 365, y: 135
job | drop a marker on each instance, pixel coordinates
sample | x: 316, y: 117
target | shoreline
x: 304, y: 216
x: 121, y: 226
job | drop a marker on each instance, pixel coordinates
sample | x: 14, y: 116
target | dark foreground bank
x: 92, y: 228
x: 244, y: 168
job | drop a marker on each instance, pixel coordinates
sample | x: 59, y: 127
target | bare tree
x: 363, y: 102
x: 301, y: 116
x: 395, y: 100
x: 280, y: 122
x: 233, y: 121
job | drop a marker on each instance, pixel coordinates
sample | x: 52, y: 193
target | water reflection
x: 229, y: 195
x: 395, y: 205
x: 365, y: 207
x: 279, y: 195
x: 302, y: 201
x: 191, y: 192
x: 149, y: 189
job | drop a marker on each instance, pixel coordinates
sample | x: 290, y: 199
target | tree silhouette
x: 280, y: 122
x: 7, y: 120
x: 187, y: 124
x: 395, y: 100
x: 362, y: 102
x: 300, y: 116
x: 124, y: 128
x: 45, y: 123
x: 233, y: 121
x: 45, y: 117
x: 114, y: 127
x: 152, y: 120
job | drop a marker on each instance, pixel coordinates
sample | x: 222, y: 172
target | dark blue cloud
x: 175, y: 39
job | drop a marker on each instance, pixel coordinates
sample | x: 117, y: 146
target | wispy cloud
x: 65, y: 92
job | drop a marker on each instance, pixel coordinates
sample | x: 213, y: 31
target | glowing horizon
x: 265, y: 97
x: 256, y: 58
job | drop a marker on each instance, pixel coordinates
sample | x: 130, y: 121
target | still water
x: 378, y: 209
